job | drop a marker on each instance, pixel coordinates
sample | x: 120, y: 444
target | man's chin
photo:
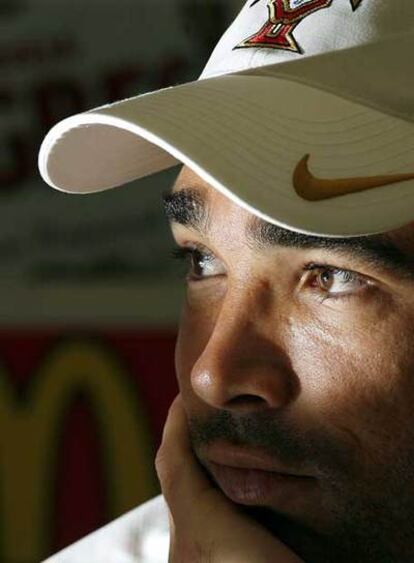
x: 314, y: 546
x: 306, y: 543
x: 269, y: 518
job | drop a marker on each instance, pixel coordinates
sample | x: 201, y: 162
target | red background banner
x: 80, y: 469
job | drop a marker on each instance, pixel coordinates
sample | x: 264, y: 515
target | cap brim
x: 245, y: 135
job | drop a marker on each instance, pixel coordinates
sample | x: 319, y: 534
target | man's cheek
x: 196, y: 328
x: 364, y: 404
x: 187, y: 351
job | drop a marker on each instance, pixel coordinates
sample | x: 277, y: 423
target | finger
x: 199, y: 511
x: 182, y: 479
x: 176, y: 426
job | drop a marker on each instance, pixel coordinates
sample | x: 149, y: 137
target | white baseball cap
x: 303, y: 116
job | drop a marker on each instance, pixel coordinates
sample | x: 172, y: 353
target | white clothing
x: 140, y: 536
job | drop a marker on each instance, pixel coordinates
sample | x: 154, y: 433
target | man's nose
x: 244, y: 366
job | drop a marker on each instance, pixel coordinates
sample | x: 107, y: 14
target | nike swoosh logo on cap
x: 311, y: 188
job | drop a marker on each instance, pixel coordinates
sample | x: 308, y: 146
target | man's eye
x: 201, y: 264
x: 336, y: 282
x: 331, y: 282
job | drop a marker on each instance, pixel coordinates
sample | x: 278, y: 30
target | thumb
x: 182, y: 478
x: 201, y: 517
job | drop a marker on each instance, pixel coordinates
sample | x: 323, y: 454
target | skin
x: 205, y: 527
x: 265, y: 358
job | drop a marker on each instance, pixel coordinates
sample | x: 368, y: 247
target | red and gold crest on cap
x: 284, y: 17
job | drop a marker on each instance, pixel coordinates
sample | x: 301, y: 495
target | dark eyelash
x: 348, y: 275
x: 323, y: 266
x: 181, y: 253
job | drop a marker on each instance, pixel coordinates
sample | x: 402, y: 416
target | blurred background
x: 89, y: 297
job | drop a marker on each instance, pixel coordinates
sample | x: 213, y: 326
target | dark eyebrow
x: 189, y: 208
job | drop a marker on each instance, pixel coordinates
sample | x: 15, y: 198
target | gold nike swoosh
x: 311, y: 188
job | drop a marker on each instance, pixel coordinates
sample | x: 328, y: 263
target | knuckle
x: 165, y: 470
x: 161, y: 461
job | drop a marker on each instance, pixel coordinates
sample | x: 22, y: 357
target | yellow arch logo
x: 29, y: 434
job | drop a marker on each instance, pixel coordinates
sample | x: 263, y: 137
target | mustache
x: 312, y: 449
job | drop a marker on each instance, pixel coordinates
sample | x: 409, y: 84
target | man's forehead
x: 403, y: 236
x: 193, y: 201
x: 187, y: 174
x: 189, y: 179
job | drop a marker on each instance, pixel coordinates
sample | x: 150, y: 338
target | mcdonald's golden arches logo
x: 30, y: 431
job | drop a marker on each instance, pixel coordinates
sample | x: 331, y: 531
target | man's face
x: 298, y: 356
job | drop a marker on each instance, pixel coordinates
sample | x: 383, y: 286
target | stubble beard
x: 366, y: 526
x: 368, y: 505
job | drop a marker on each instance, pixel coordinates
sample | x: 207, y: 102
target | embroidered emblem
x: 355, y: 4
x: 284, y: 16
x: 312, y: 188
